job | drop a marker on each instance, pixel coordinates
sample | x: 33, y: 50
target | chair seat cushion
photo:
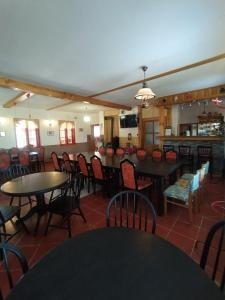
x: 178, y: 192
x: 188, y: 176
x: 8, y: 212
x: 143, y: 184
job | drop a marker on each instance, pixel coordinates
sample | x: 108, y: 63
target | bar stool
x: 205, y: 154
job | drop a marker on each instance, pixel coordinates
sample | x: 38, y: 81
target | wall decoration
x: 50, y: 132
x: 81, y: 129
x: 129, y: 136
x: 168, y: 131
x: 2, y: 133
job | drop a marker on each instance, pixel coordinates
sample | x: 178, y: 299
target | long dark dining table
x: 156, y: 169
x: 116, y: 263
x: 36, y: 184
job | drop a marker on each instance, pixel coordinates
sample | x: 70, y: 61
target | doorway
x: 150, y: 135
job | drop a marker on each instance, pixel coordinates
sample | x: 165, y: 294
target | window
x: 151, y: 132
x: 66, y: 132
x: 27, y: 133
x: 96, y: 130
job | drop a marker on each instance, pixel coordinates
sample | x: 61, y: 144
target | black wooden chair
x: 13, y: 172
x: 7, y: 213
x: 6, y: 248
x: 216, y: 240
x: 131, y: 209
x: 168, y: 148
x: 187, y: 156
x: 66, y: 204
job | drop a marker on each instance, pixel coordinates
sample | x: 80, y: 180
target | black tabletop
x: 116, y: 263
x: 147, y: 165
x: 31, y: 184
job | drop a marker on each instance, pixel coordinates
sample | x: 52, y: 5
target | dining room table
x: 35, y: 184
x: 116, y: 263
x: 158, y: 170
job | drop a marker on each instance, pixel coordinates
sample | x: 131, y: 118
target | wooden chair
x: 215, y: 240
x: 168, y: 148
x: 121, y: 212
x: 56, y: 162
x: 101, y: 150
x: 100, y: 176
x: 183, y: 193
x: 204, y: 154
x: 184, y: 153
x: 109, y: 151
x: 13, y: 172
x: 84, y: 169
x: 14, y: 155
x: 157, y: 154
x: 141, y: 153
x: 67, y: 204
x: 6, y: 248
x: 120, y: 151
x: 41, y: 157
x: 24, y: 159
x: 7, y: 213
x: 171, y: 155
x: 4, y: 160
x: 130, y: 180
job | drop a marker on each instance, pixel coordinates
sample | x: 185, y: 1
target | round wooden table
x: 35, y: 184
x: 116, y: 263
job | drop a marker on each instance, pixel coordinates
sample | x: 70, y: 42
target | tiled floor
x: 175, y: 227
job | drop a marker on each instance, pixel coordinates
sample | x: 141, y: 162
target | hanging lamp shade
x: 145, y: 94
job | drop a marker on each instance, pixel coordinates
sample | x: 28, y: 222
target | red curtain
x: 73, y: 136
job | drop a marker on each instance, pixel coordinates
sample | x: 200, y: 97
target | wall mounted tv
x: 128, y: 121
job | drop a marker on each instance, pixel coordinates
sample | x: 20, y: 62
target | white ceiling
x: 86, y: 47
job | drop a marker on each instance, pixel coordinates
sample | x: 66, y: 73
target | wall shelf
x: 191, y: 138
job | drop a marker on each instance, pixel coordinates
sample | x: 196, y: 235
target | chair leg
x: 48, y: 223
x: 37, y: 224
x: 190, y: 208
x: 82, y: 215
x: 88, y: 179
x: 69, y: 226
x: 11, y: 200
x: 165, y: 205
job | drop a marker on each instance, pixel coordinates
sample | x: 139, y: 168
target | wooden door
x: 150, y: 136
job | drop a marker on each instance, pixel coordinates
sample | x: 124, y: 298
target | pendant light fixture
x: 87, y: 118
x: 145, y: 94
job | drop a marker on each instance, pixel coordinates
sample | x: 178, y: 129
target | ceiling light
x: 86, y: 102
x: 145, y: 94
x: 87, y: 118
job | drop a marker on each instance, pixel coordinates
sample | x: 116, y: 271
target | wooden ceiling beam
x: 192, y: 96
x: 51, y: 92
x: 18, y: 98
x: 167, y: 73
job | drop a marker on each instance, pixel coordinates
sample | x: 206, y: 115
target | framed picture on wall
x: 168, y: 131
x: 50, y: 132
x: 2, y: 133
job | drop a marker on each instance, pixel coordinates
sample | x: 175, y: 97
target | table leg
x: 40, y: 209
x: 159, y: 188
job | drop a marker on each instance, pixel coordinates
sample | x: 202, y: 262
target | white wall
x: 7, y: 124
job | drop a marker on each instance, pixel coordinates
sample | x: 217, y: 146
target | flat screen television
x: 128, y: 121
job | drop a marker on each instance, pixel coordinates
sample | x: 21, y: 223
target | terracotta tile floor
x: 174, y: 227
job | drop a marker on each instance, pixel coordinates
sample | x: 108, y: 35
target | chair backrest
x: 120, y: 151
x: 101, y: 150
x: 157, y: 154
x: 195, y: 182
x: 205, y: 151
x: 131, y: 209
x: 41, y: 153
x: 67, y: 165
x: 141, y: 153
x: 83, y: 164
x: 168, y: 148
x: 73, y: 188
x: 206, y: 167
x: 14, y: 151
x: 15, y: 171
x: 109, y: 151
x: 127, y: 170
x: 184, y: 150
x: 4, y: 160
x: 215, y: 237
x: 55, y: 161
x: 6, y: 248
x: 24, y: 158
x: 97, y: 168
x: 171, y: 155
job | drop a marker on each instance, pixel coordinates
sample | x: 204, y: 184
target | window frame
x: 72, y: 133
x: 28, y: 132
